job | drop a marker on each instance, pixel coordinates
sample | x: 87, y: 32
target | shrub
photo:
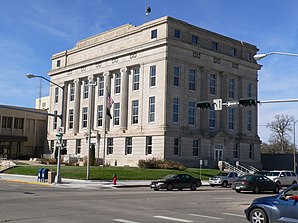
x: 161, y: 164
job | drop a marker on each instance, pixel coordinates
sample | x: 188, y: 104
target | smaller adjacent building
x: 23, y: 132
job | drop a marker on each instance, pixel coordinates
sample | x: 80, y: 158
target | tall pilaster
x: 77, y: 101
x: 124, y: 98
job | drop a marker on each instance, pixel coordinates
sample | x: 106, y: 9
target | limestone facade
x: 155, y: 74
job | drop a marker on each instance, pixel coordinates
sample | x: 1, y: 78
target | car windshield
x: 223, y: 174
x: 249, y: 178
x: 170, y: 177
x: 273, y: 174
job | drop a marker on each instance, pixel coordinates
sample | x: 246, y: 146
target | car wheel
x: 256, y: 190
x: 156, y: 189
x: 193, y: 186
x: 212, y: 185
x: 238, y: 191
x: 181, y: 188
x: 170, y: 187
x: 276, y: 189
x: 258, y: 216
x: 224, y: 184
x: 294, y: 182
x: 279, y: 184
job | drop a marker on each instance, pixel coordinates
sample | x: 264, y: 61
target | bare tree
x: 280, y: 139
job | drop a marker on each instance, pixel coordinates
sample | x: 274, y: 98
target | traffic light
x: 204, y: 104
x: 247, y: 102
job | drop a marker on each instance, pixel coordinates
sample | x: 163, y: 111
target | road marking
x: 205, y: 216
x: 172, y: 219
x: 125, y: 221
x: 237, y: 215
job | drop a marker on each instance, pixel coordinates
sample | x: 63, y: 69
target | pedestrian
x: 115, y: 179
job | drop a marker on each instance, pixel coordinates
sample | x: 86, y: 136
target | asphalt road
x: 34, y: 203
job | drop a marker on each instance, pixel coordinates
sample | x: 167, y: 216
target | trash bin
x: 44, y: 175
x: 51, y: 177
x: 39, y: 175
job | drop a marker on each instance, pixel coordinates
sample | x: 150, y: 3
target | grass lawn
x: 107, y: 173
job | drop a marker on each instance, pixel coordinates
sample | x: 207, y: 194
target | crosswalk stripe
x: 205, y: 216
x: 237, y: 215
x: 172, y: 219
x: 125, y: 221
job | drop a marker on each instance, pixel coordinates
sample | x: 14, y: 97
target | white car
x: 283, y: 177
x: 223, y: 179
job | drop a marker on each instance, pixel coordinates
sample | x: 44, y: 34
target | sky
x: 31, y: 31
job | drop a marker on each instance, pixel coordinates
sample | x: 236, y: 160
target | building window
x: 56, y: 94
x: 151, y: 109
x: 110, y: 144
x: 154, y: 34
x: 64, y: 147
x: 99, y: 115
x: 177, y: 151
x: 148, y: 145
x: 251, y: 151
x: 128, y: 145
x: 152, y: 81
x: 192, y: 79
x: 55, y: 120
x: 176, y: 110
x: 214, y: 45
x: 58, y: 63
x: 212, y: 84
x: 249, y: 90
x: 177, y: 33
x: 249, y: 56
x: 231, y: 88
x: 78, y: 146
x: 52, y: 146
x: 100, y: 86
x: 195, y: 147
x: 194, y: 39
x: 135, y: 112
x: 249, y: 120
x: 117, y: 83
x: 176, y: 76
x: 136, y: 79
x: 71, y: 91
x: 6, y: 122
x: 70, y: 119
x: 116, y: 113
x: 233, y: 51
x: 236, y: 150
x: 19, y: 123
x: 86, y: 89
x: 231, y: 118
x: 85, y: 117
x: 191, y: 112
x: 212, y: 118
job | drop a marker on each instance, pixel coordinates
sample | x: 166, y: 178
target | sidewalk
x: 72, y: 183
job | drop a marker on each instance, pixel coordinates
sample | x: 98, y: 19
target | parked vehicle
x: 283, y: 177
x: 279, y: 208
x: 263, y: 172
x: 255, y: 183
x: 224, y: 179
x: 178, y: 181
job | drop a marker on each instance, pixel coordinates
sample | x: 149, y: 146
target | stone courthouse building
x: 151, y: 77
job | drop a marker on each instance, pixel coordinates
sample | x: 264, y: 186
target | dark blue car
x: 279, y: 208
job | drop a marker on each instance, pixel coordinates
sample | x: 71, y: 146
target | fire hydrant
x: 115, y: 179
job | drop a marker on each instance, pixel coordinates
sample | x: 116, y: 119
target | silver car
x: 223, y: 179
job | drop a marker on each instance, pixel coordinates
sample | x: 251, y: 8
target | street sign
x: 60, y: 130
x: 232, y: 103
x: 217, y: 104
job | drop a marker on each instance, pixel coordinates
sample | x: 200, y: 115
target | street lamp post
x: 58, y: 176
x: 261, y: 56
x: 294, y: 151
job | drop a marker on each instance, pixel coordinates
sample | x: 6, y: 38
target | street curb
x: 25, y: 182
